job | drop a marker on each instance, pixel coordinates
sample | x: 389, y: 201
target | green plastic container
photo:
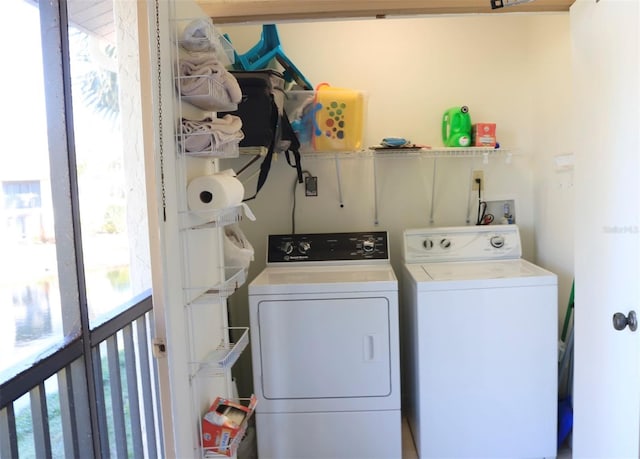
x: 456, y: 127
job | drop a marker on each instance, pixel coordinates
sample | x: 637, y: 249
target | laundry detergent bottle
x: 456, y: 127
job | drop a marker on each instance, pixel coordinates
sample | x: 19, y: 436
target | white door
x: 607, y: 176
x: 324, y: 348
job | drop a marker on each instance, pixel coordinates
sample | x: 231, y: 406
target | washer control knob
x: 427, y: 244
x: 287, y: 247
x: 368, y: 245
x: 445, y: 243
x: 497, y: 241
x: 303, y: 247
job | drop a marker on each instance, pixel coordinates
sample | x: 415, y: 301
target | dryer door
x: 325, y: 348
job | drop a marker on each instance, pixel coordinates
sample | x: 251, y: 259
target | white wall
x: 553, y: 183
x: 510, y: 69
x: 131, y: 115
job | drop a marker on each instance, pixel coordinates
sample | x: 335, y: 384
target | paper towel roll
x: 211, y: 192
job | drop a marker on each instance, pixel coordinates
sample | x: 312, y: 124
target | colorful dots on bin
x: 340, y: 119
x: 336, y: 112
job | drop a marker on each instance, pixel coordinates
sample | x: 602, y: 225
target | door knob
x: 620, y: 321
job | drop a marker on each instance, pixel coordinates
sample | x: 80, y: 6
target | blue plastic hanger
x: 261, y: 54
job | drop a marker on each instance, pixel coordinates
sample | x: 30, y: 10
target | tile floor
x: 564, y: 453
x: 408, y: 448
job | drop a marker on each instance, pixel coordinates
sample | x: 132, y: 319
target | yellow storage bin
x: 339, y: 120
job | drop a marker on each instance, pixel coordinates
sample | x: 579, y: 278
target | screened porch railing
x: 48, y: 412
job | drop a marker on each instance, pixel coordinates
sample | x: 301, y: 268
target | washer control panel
x: 465, y: 243
x: 328, y: 247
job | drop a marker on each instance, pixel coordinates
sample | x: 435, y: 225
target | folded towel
x: 228, y: 124
x: 195, y: 137
x: 196, y: 73
x: 208, y: 134
x: 233, y: 88
x: 206, y: 76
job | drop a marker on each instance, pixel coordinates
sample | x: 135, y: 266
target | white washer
x: 325, y: 348
x: 480, y: 331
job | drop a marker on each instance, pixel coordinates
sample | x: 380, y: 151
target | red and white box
x: 224, y: 425
x: 484, y: 135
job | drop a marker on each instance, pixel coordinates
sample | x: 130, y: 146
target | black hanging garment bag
x: 264, y: 121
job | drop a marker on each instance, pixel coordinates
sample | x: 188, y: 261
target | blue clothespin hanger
x: 268, y: 48
x: 306, y: 125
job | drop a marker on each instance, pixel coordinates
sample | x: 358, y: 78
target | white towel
x: 196, y: 73
x: 195, y: 137
x: 210, y: 133
x: 233, y: 88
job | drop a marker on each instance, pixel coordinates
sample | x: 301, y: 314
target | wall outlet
x: 311, y: 186
x: 475, y: 176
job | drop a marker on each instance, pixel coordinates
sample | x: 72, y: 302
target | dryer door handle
x: 369, y: 347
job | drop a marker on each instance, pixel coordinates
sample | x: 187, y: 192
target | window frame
x: 79, y: 342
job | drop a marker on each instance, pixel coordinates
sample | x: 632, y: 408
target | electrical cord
x: 293, y: 207
x: 483, y: 217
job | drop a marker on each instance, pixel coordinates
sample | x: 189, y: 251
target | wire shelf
x: 214, y: 218
x: 485, y: 153
x: 458, y: 152
x: 211, y: 96
x: 212, y: 149
x: 453, y: 152
x: 223, y: 357
x: 234, y: 278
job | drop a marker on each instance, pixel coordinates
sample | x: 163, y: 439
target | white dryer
x: 480, y: 353
x: 325, y: 348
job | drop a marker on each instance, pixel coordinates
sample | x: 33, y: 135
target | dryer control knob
x: 287, y: 247
x: 303, y: 247
x: 368, y: 245
x: 445, y: 243
x: 427, y: 244
x: 497, y: 241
